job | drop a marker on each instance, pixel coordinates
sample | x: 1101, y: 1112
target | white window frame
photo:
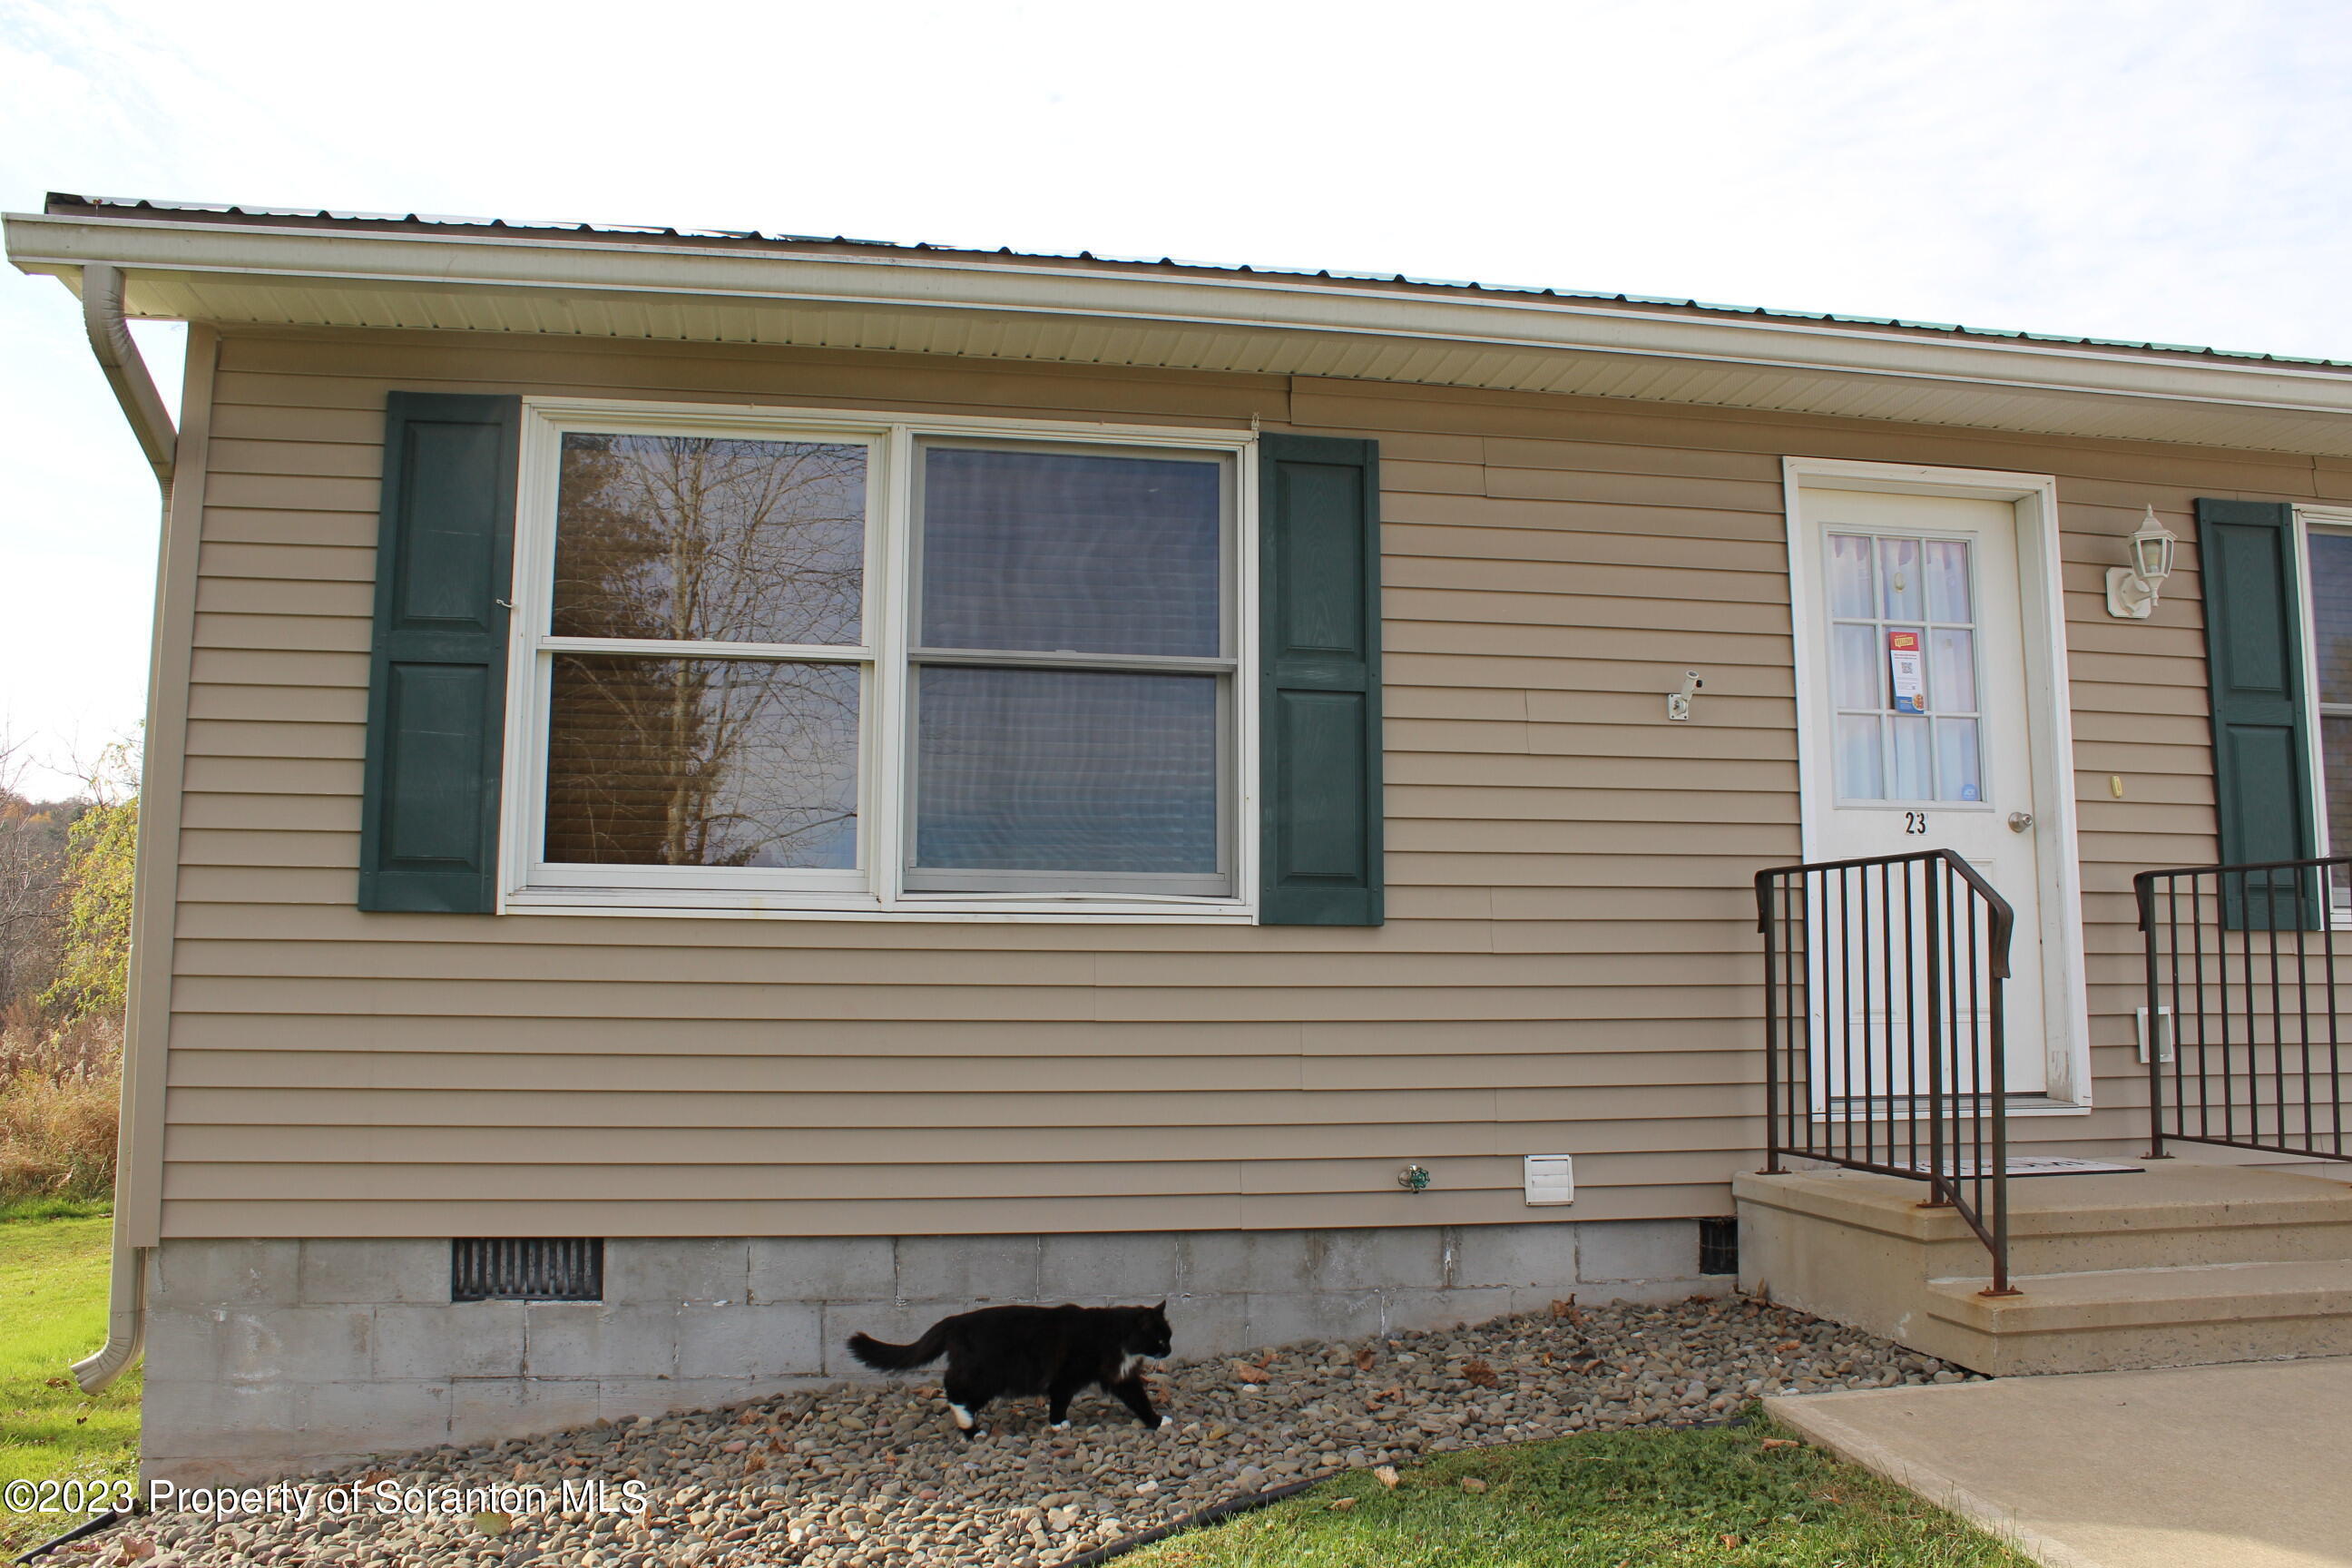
x: 875, y: 889
x: 2323, y: 520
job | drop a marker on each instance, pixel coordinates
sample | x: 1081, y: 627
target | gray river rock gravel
x: 870, y: 1475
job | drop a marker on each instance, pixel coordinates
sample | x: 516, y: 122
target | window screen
x: 1072, y: 687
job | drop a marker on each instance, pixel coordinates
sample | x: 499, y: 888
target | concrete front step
x: 2116, y: 1319
x: 2180, y: 1265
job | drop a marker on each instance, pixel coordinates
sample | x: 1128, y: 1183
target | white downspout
x: 117, y: 356
x: 126, y: 1320
x: 126, y: 372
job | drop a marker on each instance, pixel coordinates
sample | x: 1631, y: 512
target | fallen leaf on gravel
x: 492, y: 1523
x: 1790, y: 1345
x: 1473, y: 1485
x: 1386, y: 1475
x: 1479, y: 1373
x: 1367, y: 1358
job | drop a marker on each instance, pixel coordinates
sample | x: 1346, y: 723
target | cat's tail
x: 900, y: 1358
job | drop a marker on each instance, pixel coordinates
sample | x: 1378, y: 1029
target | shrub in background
x: 94, y: 962
x: 66, y: 870
x: 59, y: 1092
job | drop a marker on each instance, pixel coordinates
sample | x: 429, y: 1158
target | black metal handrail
x: 2243, y: 1022
x: 1883, y: 1028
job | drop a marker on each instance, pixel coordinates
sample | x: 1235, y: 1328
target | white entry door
x: 1917, y: 734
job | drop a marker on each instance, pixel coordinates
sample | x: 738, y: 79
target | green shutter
x: 1320, y: 681
x: 438, y: 675
x: 2262, y: 724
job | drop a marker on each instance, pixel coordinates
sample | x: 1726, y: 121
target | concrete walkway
x: 2244, y: 1465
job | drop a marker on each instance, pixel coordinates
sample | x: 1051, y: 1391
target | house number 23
x: 1915, y: 822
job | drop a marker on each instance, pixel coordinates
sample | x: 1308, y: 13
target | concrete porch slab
x: 2183, y: 1467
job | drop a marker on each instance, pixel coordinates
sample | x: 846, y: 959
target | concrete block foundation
x: 270, y: 1358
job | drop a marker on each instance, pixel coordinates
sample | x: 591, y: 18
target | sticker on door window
x: 1907, y: 670
x: 1902, y: 668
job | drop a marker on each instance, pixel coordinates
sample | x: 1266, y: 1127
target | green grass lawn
x: 1716, y: 1498
x: 53, y: 1289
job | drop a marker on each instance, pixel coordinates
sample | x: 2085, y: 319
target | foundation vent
x: 568, y: 1268
x: 1718, y: 1245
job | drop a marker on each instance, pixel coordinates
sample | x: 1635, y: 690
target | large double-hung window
x: 766, y: 663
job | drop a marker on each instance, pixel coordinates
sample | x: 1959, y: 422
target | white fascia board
x: 1244, y: 304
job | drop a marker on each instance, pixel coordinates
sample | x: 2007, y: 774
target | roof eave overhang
x: 929, y: 303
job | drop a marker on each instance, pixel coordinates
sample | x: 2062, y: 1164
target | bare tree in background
x: 32, y: 870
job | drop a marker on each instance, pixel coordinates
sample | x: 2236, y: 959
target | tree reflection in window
x: 706, y: 761
x: 702, y: 761
x: 706, y: 539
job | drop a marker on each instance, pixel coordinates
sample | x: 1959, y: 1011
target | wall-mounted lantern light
x: 2132, y: 590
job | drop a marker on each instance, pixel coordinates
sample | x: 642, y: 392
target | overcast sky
x: 2168, y: 169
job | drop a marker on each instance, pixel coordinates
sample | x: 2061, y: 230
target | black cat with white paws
x: 1053, y: 1350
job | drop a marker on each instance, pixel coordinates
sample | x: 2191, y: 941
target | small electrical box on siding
x: 1550, y: 1179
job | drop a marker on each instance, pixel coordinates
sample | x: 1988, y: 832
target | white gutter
x: 126, y: 372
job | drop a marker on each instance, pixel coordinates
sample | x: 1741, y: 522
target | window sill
x: 997, y: 912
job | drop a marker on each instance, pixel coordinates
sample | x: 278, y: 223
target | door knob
x: 2019, y: 821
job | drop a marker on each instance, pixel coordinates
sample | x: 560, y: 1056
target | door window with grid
x: 1903, y: 667
x: 763, y: 669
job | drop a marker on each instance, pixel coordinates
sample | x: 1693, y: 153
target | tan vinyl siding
x: 1570, y: 965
